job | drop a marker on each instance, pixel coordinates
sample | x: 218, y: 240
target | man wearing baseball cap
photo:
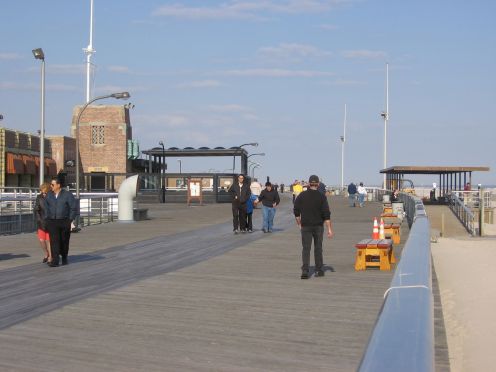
x: 311, y: 210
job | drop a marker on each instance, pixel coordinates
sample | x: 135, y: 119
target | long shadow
x: 22, y: 298
x: 10, y: 256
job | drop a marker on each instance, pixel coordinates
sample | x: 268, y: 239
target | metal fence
x: 462, y: 210
x: 403, y: 336
x: 16, y: 210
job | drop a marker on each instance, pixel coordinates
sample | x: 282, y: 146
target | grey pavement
x: 180, y: 291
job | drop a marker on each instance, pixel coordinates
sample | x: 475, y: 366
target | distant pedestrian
x: 61, y: 210
x: 362, y: 193
x: 352, y: 190
x: 240, y: 192
x: 269, y: 198
x: 282, y: 188
x: 311, y: 210
x: 322, y: 188
x: 249, y: 212
x: 42, y: 232
x: 297, y: 189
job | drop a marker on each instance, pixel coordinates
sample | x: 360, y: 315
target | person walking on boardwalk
x: 39, y: 211
x: 362, y: 193
x: 352, y: 190
x: 240, y: 192
x: 311, y: 211
x: 61, y: 210
x: 269, y: 197
x: 297, y: 189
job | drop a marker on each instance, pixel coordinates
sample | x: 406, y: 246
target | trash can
x: 370, y: 196
x: 397, y: 208
x: 385, y: 198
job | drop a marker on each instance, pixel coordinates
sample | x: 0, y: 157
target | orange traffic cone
x: 375, y: 230
x: 381, y: 230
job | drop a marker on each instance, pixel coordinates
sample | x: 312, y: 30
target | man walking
x: 352, y: 190
x: 270, y: 200
x: 240, y: 194
x: 312, y: 212
x: 61, y: 210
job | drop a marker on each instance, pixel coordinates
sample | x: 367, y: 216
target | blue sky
x: 277, y: 72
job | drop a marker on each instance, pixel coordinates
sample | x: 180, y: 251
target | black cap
x: 313, y: 179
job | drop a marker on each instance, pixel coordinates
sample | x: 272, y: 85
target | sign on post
x: 195, y: 191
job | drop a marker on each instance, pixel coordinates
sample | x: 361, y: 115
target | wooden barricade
x: 374, y: 253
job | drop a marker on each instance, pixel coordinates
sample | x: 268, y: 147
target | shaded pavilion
x: 450, y: 178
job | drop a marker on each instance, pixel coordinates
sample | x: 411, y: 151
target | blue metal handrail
x: 403, y: 336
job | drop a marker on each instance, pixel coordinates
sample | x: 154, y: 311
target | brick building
x: 105, y: 135
x: 20, y: 161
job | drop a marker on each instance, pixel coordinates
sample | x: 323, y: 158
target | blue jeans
x: 352, y: 199
x: 268, y: 217
x: 361, y: 199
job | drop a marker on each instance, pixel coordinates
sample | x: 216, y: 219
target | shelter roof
x: 431, y: 170
x: 190, y: 151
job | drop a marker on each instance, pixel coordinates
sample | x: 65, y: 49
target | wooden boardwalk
x: 189, y: 295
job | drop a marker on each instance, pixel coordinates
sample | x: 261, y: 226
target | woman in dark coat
x: 39, y: 212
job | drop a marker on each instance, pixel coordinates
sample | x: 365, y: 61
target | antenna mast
x: 89, y: 52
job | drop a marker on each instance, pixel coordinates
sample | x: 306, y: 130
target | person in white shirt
x: 362, y: 193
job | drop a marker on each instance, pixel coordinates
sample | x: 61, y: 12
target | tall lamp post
x: 161, y: 143
x: 343, y: 140
x: 38, y: 54
x: 255, y: 144
x: 180, y: 166
x: 253, y: 170
x: 122, y: 95
x: 385, y: 116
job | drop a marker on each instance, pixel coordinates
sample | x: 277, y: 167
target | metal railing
x: 16, y: 211
x: 462, y: 210
x: 403, y: 336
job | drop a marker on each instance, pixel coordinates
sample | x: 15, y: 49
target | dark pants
x: 60, y: 234
x: 309, y: 233
x: 249, y: 221
x: 239, y: 216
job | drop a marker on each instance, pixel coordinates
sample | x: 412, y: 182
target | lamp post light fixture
x: 162, y: 171
x: 259, y: 154
x: 122, y: 95
x: 255, y: 144
x: 38, y: 54
x: 253, y: 170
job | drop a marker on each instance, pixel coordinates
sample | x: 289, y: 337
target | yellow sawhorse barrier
x: 374, y: 253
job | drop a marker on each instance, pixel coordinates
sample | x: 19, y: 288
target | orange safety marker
x: 375, y: 230
x: 381, y: 230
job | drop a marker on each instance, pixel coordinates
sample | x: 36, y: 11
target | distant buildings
x: 107, y: 151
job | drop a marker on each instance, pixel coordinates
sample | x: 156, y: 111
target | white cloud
x: 49, y: 87
x: 288, y: 51
x: 9, y: 56
x: 229, y: 108
x: 119, y: 69
x: 247, y: 9
x: 201, y: 84
x: 276, y: 73
x: 364, y: 54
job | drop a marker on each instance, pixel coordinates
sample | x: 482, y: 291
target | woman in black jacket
x: 39, y: 212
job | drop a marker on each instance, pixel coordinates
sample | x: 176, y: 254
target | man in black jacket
x: 240, y: 192
x: 312, y: 212
x: 61, y: 209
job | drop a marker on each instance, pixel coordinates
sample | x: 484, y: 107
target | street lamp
x: 38, y: 54
x: 162, y: 171
x: 343, y: 140
x: 122, y: 95
x: 260, y: 154
x: 180, y: 164
x: 252, y: 164
x: 385, y: 116
x: 253, y: 170
x: 255, y: 144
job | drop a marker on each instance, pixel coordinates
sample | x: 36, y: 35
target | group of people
x: 357, y: 194
x: 311, y: 211
x: 55, y: 210
x: 244, y: 201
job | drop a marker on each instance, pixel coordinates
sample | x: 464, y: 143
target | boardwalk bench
x: 392, y: 231
x: 374, y: 253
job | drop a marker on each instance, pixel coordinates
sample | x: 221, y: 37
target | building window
x: 98, y: 134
